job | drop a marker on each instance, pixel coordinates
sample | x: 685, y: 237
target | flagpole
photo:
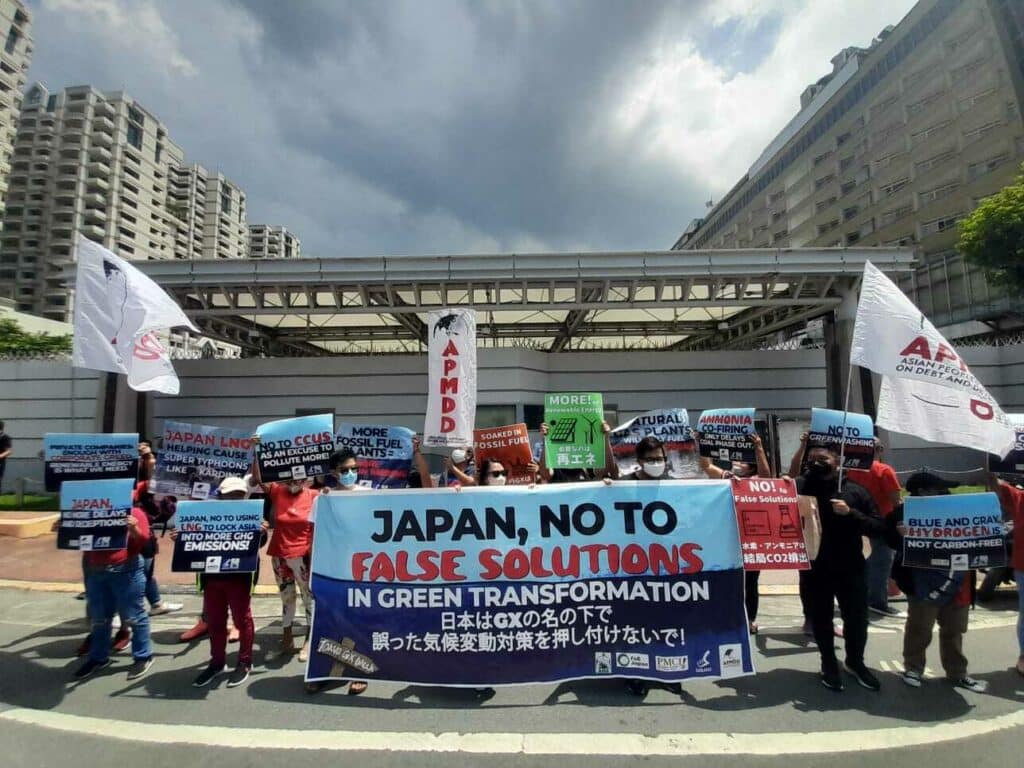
x: 846, y: 410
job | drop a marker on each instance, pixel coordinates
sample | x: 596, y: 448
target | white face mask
x: 497, y: 480
x: 295, y: 488
x: 458, y: 456
x: 653, y: 468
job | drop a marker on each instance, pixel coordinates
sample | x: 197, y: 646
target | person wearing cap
x: 881, y: 482
x: 1011, y: 499
x: 933, y: 596
x: 224, y: 592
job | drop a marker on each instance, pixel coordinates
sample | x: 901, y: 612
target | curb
x: 72, y: 587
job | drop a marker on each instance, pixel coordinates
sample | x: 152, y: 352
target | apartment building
x: 14, y: 61
x: 267, y: 242
x: 894, y: 147
x: 225, y: 229
x: 84, y: 161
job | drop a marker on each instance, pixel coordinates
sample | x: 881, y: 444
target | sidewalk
x: 38, y: 560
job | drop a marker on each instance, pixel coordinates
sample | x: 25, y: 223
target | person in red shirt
x: 290, y: 546
x: 933, y: 596
x: 115, y: 582
x: 1011, y: 499
x: 884, y: 486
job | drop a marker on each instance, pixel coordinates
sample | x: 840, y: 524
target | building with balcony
x: 84, y: 161
x: 894, y: 146
x: 15, y: 57
x: 267, y: 242
x: 225, y: 228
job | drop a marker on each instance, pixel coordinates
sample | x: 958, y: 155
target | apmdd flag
x: 954, y: 533
x: 927, y: 388
x: 451, y: 378
x: 517, y: 585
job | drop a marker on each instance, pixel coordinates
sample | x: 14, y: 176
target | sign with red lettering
x: 511, y: 446
x: 771, y: 532
x: 451, y: 398
x: 295, y: 449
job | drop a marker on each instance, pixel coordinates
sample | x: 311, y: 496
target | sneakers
x: 304, y: 652
x: 912, y: 678
x: 122, y: 639
x: 971, y: 684
x: 888, y: 610
x: 831, y: 679
x: 638, y: 688
x: 865, y: 677
x: 195, y: 633
x: 207, y: 676
x: 239, y: 675
x: 164, y: 607
x: 89, y: 668
x: 139, y: 668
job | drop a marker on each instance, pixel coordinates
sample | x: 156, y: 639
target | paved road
x: 780, y: 717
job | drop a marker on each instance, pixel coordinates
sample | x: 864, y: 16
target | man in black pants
x: 839, y: 571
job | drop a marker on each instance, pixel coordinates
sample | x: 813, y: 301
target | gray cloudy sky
x: 452, y: 127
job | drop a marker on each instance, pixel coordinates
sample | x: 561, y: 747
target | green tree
x: 992, y: 237
x: 15, y: 341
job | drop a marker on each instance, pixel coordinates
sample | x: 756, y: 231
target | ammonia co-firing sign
x: 520, y: 585
x: 574, y: 439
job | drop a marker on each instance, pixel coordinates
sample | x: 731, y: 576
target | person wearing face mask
x: 344, y: 474
x: 742, y: 469
x: 932, y: 596
x: 459, y: 469
x: 291, y: 504
x: 838, y: 574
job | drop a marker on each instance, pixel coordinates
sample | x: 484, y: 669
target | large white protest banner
x: 927, y: 388
x: 118, y: 311
x: 451, y: 401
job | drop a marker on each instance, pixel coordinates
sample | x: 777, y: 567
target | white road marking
x: 677, y: 744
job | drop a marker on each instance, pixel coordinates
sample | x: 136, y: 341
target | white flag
x: 451, y: 400
x: 118, y: 311
x: 927, y: 389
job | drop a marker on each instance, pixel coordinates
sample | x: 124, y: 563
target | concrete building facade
x: 894, y: 147
x: 267, y: 242
x: 225, y: 228
x: 85, y: 161
x: 16, y: 23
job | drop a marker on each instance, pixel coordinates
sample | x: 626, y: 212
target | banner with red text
x: 511, y: 446
x: 771, y: 533
x: 451, y: 379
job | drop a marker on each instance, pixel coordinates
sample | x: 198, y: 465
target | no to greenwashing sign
x: 574, y: 439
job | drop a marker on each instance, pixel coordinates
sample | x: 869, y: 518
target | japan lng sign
x: 518, y: 585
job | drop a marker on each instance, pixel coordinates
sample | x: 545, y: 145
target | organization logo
x: 704, y: 663
x: 730, y: 659
x: 213, y: 564
x: 627, y: 660
x: 299, y: 473
x: 602, y: 663
x: 958, y: 562
x: 981, y: 561
x: 672, y: 663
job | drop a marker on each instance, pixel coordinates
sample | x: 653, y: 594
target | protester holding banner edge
x: 1011, y: 500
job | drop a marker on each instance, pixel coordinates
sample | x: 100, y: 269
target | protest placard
x: 517, y: 585
x: 295, y: 449
x: 383, y: 453
x: 955, y: 532
x: 1013, y: 462
x: 672, y: 427
x: 218, y: 536
x: 510, y: 445
x: 194, y: 458
x: 725, y: 435
x: 93, y: 514
x: 89, y: 456
x: 451, y: 377
x: 574, y: 439
x: 771, y: 530
x: 827, y: 429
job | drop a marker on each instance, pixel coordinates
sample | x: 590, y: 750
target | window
x: 891, y: 189
x: 819, y: 183
x: 939, y: 192
x: 888, y: 217
x: 821, y: 205
x: 12, y: 40
x: 852, y: 237
x: 943, y: 157
x: 225, y: 207
x: 981, y: 131
x: 136, y: 116
x: 923, y: 104
x: 842, y: 138
x: 828, y: 227
x: 822, y: 157
x: 135, y: 136
x: 942, y: 224
x: 488, y: 416
x: 927, y: 133
x: 847, y: 187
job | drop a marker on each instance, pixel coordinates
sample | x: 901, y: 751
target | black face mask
x: 819, y: 468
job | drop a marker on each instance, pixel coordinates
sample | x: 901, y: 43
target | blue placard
x: 93, y: 514
x: 218, y: 536
x: 954, y: 533
x: 295, y: 449
x: 828, y: 428
x: 526, y: 585
x: 194, y: 458
x: 384, y: 453
x: 725, y: 434
x: 89, y: 456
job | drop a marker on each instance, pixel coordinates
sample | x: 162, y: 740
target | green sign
x: 574, y: 439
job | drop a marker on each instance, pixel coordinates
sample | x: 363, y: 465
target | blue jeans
x: 1019, y: 575
x: 879, y: 565
x: 152, y: 588
x: 118, y: 589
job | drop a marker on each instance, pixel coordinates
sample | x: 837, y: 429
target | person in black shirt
x: 5, y: 451
x: 839, y: 573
